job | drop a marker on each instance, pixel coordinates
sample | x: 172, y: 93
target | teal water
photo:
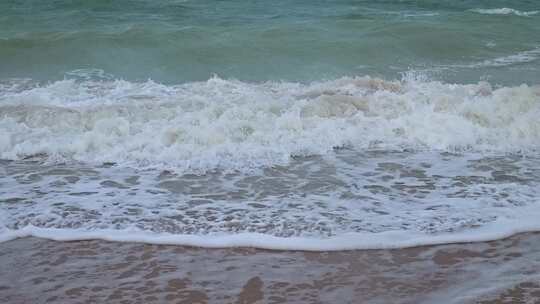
x: 181, y: 41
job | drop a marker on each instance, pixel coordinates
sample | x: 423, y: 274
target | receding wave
x: 504, y: 11
x: 350, y: 200
x: 233, y: 125
x: 419, y: 162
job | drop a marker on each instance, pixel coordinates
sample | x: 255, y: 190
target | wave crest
x: 236, y: 125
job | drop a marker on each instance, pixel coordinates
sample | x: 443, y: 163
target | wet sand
x: 35, y: 270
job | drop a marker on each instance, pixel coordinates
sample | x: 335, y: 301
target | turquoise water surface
x: 180, y: 41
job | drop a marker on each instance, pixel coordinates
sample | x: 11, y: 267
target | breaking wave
x: 229, y: 124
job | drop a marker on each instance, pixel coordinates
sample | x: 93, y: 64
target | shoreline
x: 356, y: 241
x: 34, y: 270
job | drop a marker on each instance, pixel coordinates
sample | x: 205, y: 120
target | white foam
x: 518, y: 58
x: 349, y: 199
x: 230, y: 124
x: 505, y: 227
x: 352, y: 200
x: 504, y: 11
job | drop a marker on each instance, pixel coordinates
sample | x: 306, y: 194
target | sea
x: 293, y: 125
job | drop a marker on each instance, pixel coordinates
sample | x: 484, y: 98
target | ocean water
x: 314, y: 125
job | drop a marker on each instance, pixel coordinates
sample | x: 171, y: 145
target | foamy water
x: 518, y: 58
x: 504, y: 11
x: 344, y: 164
x: 335, y: 125
x: 227, y: 124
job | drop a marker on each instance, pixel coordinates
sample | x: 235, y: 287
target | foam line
x: 349, y: 241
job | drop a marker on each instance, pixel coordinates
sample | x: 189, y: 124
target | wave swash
x: 345, y: 164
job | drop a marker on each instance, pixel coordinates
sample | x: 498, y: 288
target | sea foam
x: 229, y: 124
x: 504, y: 11
x: 345, y: 164
x: 348, y: 241
x: 517, y: 58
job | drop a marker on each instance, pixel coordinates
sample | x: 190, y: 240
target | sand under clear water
x: 35, y: 270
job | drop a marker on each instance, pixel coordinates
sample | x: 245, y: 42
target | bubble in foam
x: 229, y: 124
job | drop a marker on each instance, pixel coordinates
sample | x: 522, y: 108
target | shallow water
x: 329, y: 125
x: 41, y: 271
x: 346, y: 200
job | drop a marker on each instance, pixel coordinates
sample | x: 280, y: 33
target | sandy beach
x: 34, y: 270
